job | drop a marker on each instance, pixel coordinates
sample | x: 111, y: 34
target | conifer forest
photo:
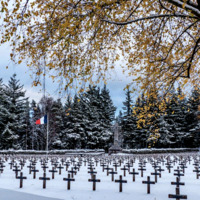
x: 85, y: 121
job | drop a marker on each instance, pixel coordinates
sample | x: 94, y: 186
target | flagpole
x: 47, y: 145
x: 46, y: 110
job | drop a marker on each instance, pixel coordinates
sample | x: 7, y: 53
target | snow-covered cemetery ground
x: 170, y: 166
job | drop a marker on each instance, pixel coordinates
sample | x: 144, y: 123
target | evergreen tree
x: 107, y: 116
x: 129, y: 124
x: 119, y: 121
x: 128, y: 103
x: 193, y: 123
x: 74, y: 133
x: 4, y: 112
x: 25, y: 133
x: 119, y: 118
x: 172, y: 124
x: 12, y: 135
x: 57, y: 121
x: 92, y: 107
x: 99, y: 110
x: 67, y: 120
x: 165, y: 125
x: 181, y: 119
x: 107, y: 108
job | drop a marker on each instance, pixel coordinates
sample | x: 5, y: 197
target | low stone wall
x: 153, y: 151
x: 55, y: 152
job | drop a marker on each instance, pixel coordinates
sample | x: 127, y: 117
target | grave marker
x: 125, y: 169
x: 177, y: 183
x: 141, y: 169
x: 134, y: 173
x: 94, y: 180
x: 44, y: 178
x: 120, y: 181
x: 155, y: 174
x: 21, y: 177
x: 53, y: 171
x: 60, y: 168
x: 68, y: 181
x: 34, y: 170
x: 148, y: 182
x: 112, y: 173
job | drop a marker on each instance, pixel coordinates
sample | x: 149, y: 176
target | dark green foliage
x: 99, y: 111
x: 15, y: 126
x: 133, y: 137
x: 56, y: 124
x: 128, y: 123
x: 4, y: 112
x: 74, y: 133
x: 88, y: 120
x: 192, y: 120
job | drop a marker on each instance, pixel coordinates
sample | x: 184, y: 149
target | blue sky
x: 115, y: 85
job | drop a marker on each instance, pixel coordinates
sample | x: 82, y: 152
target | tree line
x: 86, y: 120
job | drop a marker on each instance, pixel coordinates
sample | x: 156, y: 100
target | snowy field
x: 106, y: 189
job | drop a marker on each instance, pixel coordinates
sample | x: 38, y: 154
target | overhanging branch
x: 188, y: 5
x: 147, y: 18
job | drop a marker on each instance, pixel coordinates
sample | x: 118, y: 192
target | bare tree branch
x: 148, y: 18
x: 192, y: 57
x: 186, y: 5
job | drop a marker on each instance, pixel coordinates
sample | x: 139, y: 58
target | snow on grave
x: 106, y: 189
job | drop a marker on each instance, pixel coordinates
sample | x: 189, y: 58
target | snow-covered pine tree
x: 181, y: 120
x: 108, y: 109
x: 67, y: 120
x: 99, y: 114
x: 119, y: 121
x: 107, y: 116
x: 16, y: 125
x: 129, y: 123
x: 25, y: 133
x: 57, y: 123
x: 119, y: 118
x: 4, y: 112
x: 92, y: 109
x: 74, y: 134
x: 166, y: 138
x: 193, y: 123
x: 166, y: 124
x: 172, y: 123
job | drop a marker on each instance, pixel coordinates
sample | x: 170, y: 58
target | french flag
x: 42, y: 120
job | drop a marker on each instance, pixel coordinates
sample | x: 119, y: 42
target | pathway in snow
x: 12, y: 195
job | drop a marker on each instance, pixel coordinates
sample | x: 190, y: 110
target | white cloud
x: 33, y: 94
